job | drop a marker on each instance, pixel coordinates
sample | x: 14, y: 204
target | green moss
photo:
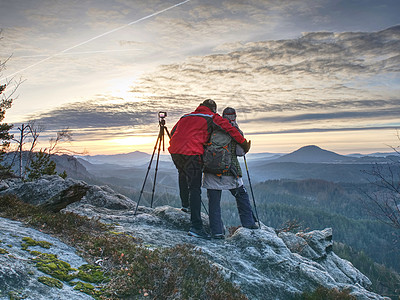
x: 9, y: 246
x: 122, y: 233
x: 35, y: 253
x: 51, y: 265
x: 89, y: 289
x: 31, y: 242
x: 14, y: 295
x: 90, y: 273
x: 3, y: 251
x: 52, y: 282
x: 116, y: 232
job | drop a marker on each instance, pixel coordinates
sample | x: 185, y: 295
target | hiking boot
x: 185, y: 209
x: 251, y: 226
x: 199, y: 233
x: 218, y: 236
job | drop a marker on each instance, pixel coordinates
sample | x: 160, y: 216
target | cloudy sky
x: 322, y: 72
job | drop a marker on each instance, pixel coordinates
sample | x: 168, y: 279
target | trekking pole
x: 251, y: 189
x: 204, y: 207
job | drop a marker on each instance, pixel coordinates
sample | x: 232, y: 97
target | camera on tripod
x: 161, y: 117
x: 160, y: 142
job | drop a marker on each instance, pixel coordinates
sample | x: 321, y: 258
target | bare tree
x: 382, y: 201
x: 29, y: 134
x: 7, y: 96
x: 63, y: 135
x: 24, y: 132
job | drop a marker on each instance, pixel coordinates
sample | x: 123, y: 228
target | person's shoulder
x: 203, y: 109
x: 218, y: 118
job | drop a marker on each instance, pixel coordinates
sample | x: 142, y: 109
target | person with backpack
x: 222, y: 172
x: 188, y: 138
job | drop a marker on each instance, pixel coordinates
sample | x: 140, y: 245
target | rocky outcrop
x: 55, y: 193
x: 264, y: 263
x: 52, y: 192
x: 19, y: 277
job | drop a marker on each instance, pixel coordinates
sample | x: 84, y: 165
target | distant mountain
x: 376, y: 154
x: 72, y: 166
x: 383, y: 154
x: 306, y: 154
x: 314, y: 162
x: 263, y: 156
x: 131, y: 158
x: 127, y: 179
x: 313, y: 154
x: 64, y: 162
x: 136, y: 158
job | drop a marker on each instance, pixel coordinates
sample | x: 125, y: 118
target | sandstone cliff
x: 264, y: 263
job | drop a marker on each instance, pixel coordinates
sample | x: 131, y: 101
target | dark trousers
x: 243, y: 205
x: 190, y: 174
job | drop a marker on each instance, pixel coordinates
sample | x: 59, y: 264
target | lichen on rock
x: 51, y: 265
x: 88, y: 289
x: 52, y: 282
x: 28, y: 241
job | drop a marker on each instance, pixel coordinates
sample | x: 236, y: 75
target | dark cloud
x: 339, y: 115
x: 339, y: 129
x: 297, y: 65
x: 336, y: 109
x: 102, y: 118
x: 94, y: 115
x: 338, y: 74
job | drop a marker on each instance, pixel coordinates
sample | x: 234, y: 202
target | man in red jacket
x: 188, y: 138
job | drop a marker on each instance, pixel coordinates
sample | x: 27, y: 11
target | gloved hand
x: 246, y: 145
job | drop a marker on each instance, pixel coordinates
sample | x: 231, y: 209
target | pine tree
x: 5, y: 128
x: 41, y: 165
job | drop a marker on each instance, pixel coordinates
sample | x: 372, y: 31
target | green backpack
x: 217, y: 157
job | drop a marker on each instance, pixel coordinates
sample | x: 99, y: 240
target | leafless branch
x: 8, y: 98
x: 383, y: 203
x: 35, y: 131
x: 64, y: 135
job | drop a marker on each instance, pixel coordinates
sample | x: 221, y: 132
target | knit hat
x: 229, y: 113
x: 210, y: 104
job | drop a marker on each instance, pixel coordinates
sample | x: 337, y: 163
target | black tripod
x: 160, y: 140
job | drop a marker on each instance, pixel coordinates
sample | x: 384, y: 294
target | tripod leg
x: 252, y: 193
x: 161, y: 141
x: 147, y: 173
x: 166, y: 129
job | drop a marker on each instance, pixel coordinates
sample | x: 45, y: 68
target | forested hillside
x: 311, y: 203
x: 318, y: 204
x: 383, y: 280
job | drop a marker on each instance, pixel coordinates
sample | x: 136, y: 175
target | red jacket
x: 193, y: 131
